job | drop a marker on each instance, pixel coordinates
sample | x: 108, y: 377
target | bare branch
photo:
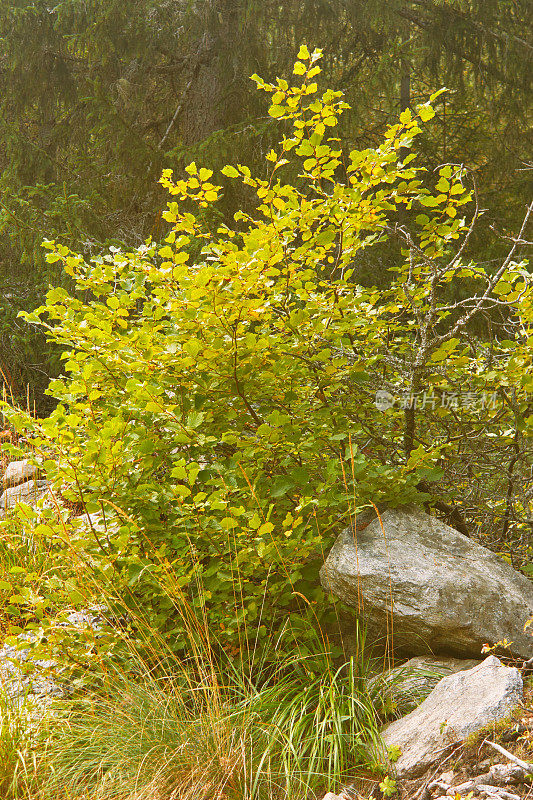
x: 475, y: 218
x: 528, y: 768
x: 481, y: 301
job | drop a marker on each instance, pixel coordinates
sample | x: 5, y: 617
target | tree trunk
x: 208, y: 107
x: 405, y: 84
x: 405, y: 69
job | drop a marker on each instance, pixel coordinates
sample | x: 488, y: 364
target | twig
x: 528, y: 768
x: 179, y: 107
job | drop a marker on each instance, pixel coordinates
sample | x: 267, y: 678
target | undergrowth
x: 214, y: 735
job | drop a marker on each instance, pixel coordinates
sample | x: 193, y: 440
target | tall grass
x: 289, y: 723
x: 210, y: 735
x: 20, y: 721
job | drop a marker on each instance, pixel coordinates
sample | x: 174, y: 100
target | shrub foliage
x: 216, y: 419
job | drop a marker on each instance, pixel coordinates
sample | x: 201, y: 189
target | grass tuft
x: 215, y: 735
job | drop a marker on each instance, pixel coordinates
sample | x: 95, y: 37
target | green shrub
x: 216, y: 421
x: 210, y: 406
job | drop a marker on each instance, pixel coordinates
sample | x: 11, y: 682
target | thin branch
x: 528, y: 768
x: 502, y: 37
x: 238, y: 386
x: 465, y: 319
x: 475, y: 218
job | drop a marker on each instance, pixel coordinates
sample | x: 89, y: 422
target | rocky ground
x: 474, y: 769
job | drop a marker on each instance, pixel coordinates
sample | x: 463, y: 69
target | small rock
x: 447, y: 777
x: 459, y: 705
x: 410, y: 683
x: 28, y: 492
x: 16, y: 684
x: 461, y: 788
x: 86, y: 618
x: 504, y: 774
x: 482, y: 767
x: 438, y: 787
x: 40, y: 684
x: 18, y: 472
x: 487, y: 790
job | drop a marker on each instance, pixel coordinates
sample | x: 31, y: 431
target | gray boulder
x: 460, y: 704
x: 28, y: 492
x: 18, y: 472
x: 23, y: 676
x: 448, y: 595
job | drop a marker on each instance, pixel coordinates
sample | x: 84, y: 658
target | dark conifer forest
x: 97, y: 97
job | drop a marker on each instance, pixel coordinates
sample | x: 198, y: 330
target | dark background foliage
x: 98, y: 96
